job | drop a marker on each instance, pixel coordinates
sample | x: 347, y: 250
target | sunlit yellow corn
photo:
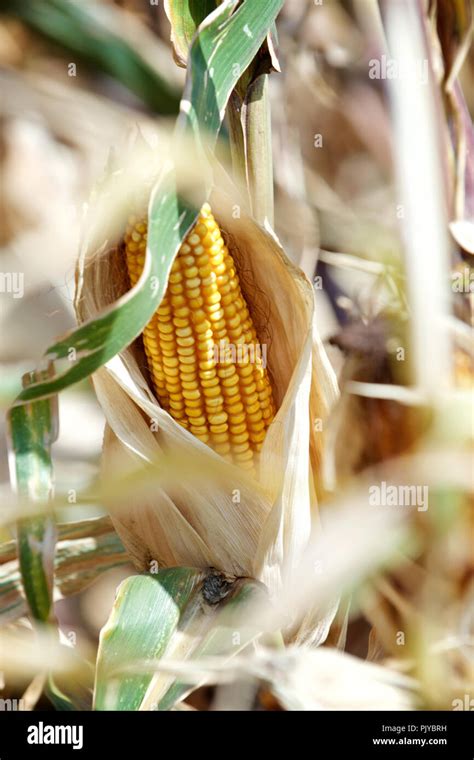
x: 202, y: 348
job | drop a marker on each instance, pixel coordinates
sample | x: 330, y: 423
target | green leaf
x: 33, y: 428
x: 84, y: 29
x: 185, y: 17
x: 145, y: 615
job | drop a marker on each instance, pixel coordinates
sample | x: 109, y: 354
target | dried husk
x: 198, y: 523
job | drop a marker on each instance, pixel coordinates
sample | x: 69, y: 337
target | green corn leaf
x: 33, y: 428
x: 185, y: 17
x: 84, y: 29
x: 145, y: 615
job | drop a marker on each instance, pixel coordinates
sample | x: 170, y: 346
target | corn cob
x: 200, y: 325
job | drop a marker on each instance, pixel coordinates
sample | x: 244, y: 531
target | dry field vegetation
x: 236, y: 304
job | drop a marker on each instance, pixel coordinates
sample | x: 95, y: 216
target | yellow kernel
x: 176, y: 404
x: 218, y: 428
x: 236, y: 429
x: 252, y: 399
x: 227, y: 371
x: 207, y: 241
x: 245, y: 370
x: 189, y: 385
x: 257, y: 426
x: 193, y: 411
x: 218, y: 419
x: 257, y: 437
x: 244, y: 456
x: 206, y: 365
x: 204, y: 437
x: 199, y: 429
x: 207, y: 374
x: 212, y: 297
x: 180, y: 322
x: 191, y: 394
x: 198, y: 418
x: 217, y: 315
x: 200, y: 229
x: 178, y: 301
x: 239, y: 448
x: 211, y: 392
x: 236, y: 418
x: 184, y: 332
x: 212, y: 403
x: 228, y: 382
x: 185, y: 341
x: 187, y: 369
x: 170, y: 361
x: 240, y: 438
x: 222, y: 448
x: 232, y: 391
x: 252, y: 408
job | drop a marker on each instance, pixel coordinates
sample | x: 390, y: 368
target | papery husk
x: 197, y: 523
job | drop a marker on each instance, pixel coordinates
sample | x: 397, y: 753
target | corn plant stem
x: 258, y: 138
x: 236, y: 139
